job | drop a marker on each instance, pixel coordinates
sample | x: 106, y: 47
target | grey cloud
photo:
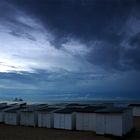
x: 106, y: 55
x: 48, y: 81
x: 135, y: 40
x: 116, y: 56
x: 90, y: 21
x: 9, y: 15
x: 42, y: 75
x: 82, y: 19
x: 22, y: 35
x: 87, y: 21
x: 132, y: 58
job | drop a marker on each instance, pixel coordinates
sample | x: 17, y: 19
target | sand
x: 8, y: 132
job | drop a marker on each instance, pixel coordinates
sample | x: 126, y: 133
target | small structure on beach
x: 12, y: 116
x: 86, y: 118
x: 115, y: 121
x: 2, y: 109
x: 65, y: 118
x: 136, y: 109
x: 29, y: 116
x: 46, y: 117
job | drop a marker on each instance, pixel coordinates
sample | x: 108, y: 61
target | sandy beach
x: 8, y: 132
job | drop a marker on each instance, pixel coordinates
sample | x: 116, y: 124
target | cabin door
x: 108, y: 126
x: 62, y: 121
x: 100, y: 124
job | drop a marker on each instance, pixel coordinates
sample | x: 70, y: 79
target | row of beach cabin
x: 117, y: 121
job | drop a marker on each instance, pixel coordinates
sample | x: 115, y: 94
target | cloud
x: 69, y: 45
x: 61, y: 84
x: 26, y: 46
x: 75, y: 48
x: 77, y: 84
x: 82, y: 19
x: 77, y: 26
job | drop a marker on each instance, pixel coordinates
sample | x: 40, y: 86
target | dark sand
x: 8, y: 132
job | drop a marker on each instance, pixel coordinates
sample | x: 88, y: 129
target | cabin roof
x: 75, y: 104
x: 3, y: 104
x: 48, y: 109
x: 134, y: 105
x: 90, y: 109
x: 4, y: 107
x: 13, y: 110
x: 67, y: 110
x: 31, y: 108
x: 112, y: 110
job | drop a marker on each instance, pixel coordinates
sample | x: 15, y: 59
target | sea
x: 66, y: 98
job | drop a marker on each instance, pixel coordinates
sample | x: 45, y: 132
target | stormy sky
x: 79, y: 48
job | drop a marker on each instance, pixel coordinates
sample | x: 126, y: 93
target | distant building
x: 115, y: 121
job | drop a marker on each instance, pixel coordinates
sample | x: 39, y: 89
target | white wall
x: 11, y: 118
x: 85, y: 121
x: 2, y: 113
x: 127, y: 121
x: 79, y: 119
x: 1, y: 116
x: 136, y: 111
x: 130, y: 119
x: 114, y: 124
x: 45, y: 120
x: 109, y: 124
x: 28, y: 118
x: 100, y: 124
x: 56, y: 120
x: 63, y: 121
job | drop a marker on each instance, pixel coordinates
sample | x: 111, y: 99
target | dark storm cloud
x: 88, y: 21
x: 116, y: 57
x: 84, y: 19
x: 22, y: 34
x: 133, y: 53
x: 135, y: 40
x: 59, y: 82
x: 9, y: 18
x: 40, y: 75
x: 106, y: 55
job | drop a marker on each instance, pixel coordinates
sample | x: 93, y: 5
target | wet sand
x: 8, y: 132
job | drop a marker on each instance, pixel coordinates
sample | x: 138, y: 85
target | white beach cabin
x: 86, y: 118
x: 115, y: 121
x: 136, y: 109
x: 12, y: 116
x: 46, y: 117
x: 2, y: 109
x: 65, y: 118
x: 29, y: 116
